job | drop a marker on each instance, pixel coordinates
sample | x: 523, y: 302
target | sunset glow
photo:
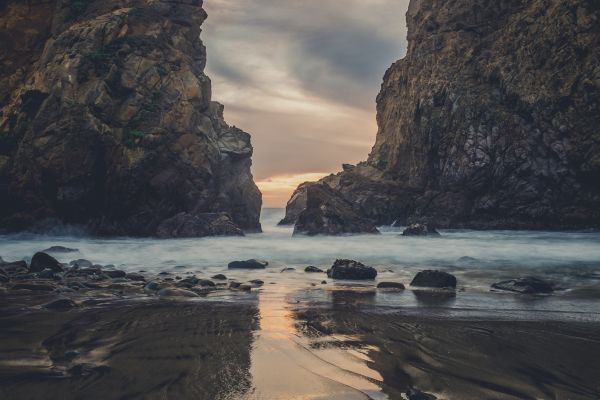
x: 276, y: 190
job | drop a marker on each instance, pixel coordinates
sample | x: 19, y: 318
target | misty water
x: 476, y: 258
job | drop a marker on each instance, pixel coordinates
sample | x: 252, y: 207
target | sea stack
x: 106, y: 121
x: 490, y: 121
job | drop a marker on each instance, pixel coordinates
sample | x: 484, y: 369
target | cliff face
x: 107, y: 121
x: 491, y: 120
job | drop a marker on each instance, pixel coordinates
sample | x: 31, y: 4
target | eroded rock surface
x: 327, y: 213
x: 490, y: 121
x: 106, y: 121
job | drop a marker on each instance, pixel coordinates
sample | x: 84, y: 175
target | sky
x: 301, y: 76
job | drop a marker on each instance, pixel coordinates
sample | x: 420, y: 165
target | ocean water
x: 570, y: 259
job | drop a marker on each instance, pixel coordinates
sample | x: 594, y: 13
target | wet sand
x: 285, y: 342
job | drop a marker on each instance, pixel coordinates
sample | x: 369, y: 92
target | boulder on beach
x: 219, y: 277
x: 41, y: 261
x: 351, y: 270
x: 390, y: 285
x: 248, y: 264
x: 434, y: 279
x: 527, y: 285
x: 420, y: 230
x: 313, y: 269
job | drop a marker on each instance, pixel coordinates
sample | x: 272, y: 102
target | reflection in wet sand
x: 285, y: 364
x: 136, y: 350
x: 287, y: 341
x: 436, y: 356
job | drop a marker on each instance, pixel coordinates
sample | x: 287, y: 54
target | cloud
x: 302, y: 76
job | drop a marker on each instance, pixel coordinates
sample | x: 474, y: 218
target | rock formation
x: 325, y: 212
x: 490, y: 121
x: 106, y: 121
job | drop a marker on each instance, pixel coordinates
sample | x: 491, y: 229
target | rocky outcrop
x: 490, y: 121
x: 327, y: 213
x: 106, y: 121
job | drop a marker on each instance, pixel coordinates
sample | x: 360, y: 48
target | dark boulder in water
x: 527, y: 285
x: 60, y: 249
x: 313, y: 269
x: 248, y: 264
x: 390, y: 285
x: 219, y: 277
x: 420, y: 230
x: 41, y: 261
x: 434, y: 279
x: 351, y: 270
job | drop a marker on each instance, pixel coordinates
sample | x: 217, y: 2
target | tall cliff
x: 492, y: 120
x: 106, y: 120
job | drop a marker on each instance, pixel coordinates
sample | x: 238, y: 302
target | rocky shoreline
x: 69, y: 285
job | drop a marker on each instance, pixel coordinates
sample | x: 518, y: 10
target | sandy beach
x: 280, y: 342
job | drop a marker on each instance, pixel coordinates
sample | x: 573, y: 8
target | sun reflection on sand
x: 286, y: 366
